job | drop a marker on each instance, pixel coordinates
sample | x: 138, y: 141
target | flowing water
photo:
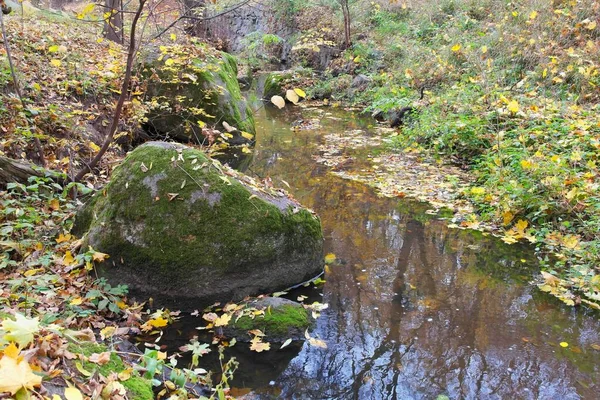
x: 416, y: 310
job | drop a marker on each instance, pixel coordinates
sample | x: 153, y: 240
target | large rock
x: 187, y: 231
x: 187, y: 89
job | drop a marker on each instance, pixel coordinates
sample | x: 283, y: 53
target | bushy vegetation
x: 512, y: 92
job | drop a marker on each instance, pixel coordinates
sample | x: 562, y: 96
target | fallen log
x: 20, y: 171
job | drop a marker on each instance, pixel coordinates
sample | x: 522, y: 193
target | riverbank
x: 511, y: 95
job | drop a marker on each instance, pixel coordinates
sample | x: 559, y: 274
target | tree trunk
x: 113, y: 24
x: 19, y: 171
x: 346, y: 13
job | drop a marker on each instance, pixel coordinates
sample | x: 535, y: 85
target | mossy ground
x: 137, y: 387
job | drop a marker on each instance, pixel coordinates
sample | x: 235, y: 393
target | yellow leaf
x: 329, y: 258
x: 526, y: 164
x: 477, y: 190
x: 300, y: 92
x: 94, y: 146
x: 68, y: 259
x: 36, y: 86
x: 173, y: 37
x: 56, y: 63
x: 591, y: 26
x: 158, y: 322
x: 169, y: 62
x: 456, y: 47
x: 72, y: 393
x: 246, y: 150
x: 533, y: 15
x: 99, y: 257
x: 16, y: 374
x: 507, y: 217
x: 278, y: 101
x: 356, y: 59
x: 32, y: 272
x: 76, y: 301
x: 247, y: 135
x: 513, y: 106
x: 545, y: 72
x: 564, y: 344
x: 260, y: 346
x: 484, y: 50
x: 550, y: 279
x: 521, y: 225
x: 571, y: 242
x: 223, y: 320
x: 53, y: 49
x: 82, y: 370
x: 63, y: 238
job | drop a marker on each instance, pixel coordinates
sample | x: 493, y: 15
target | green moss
x: 277, y: 321
x: 273, y: 84
x: 137, y: 387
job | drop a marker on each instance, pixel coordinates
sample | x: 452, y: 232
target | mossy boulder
x: 283, y: 319
x: 183, y: 229
x: 190, y: 91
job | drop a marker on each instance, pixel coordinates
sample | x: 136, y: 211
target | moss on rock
x: 188, y: 88
x: 283, y: 319
x: 183, y: 229
x: 274, y: 82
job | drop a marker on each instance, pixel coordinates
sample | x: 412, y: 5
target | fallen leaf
x: 100, y: 358
x: 286, y: 343
x: 278, y: 101
x: 16, y: 374
x: 72, y: 393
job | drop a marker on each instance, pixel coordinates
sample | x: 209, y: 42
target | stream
x: 416, y: 310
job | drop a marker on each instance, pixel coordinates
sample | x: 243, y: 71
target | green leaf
x: 21, y: 330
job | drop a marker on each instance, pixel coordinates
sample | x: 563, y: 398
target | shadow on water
x: 416, y: 310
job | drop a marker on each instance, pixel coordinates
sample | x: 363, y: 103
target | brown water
x: 416, y: 310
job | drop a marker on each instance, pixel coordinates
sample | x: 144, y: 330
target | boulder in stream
x: 187, y: 231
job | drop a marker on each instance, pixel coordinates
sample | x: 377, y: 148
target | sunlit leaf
x: 300, y: 92
x: 292, y: 96
x: 72, y: 393
x: 278, y: 101
x: 21, y: 330
x: 16, y: 373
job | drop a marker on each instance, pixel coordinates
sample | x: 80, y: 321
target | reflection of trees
x: 431, y: 313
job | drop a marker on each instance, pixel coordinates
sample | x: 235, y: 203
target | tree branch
x: 122, y: 97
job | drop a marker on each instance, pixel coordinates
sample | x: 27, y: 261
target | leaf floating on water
x: 330, y: 258
x: 286, y: 343
x: 259, y: 346
x: 292, y: 96
x: 223, y: 320
x: 278, y: 101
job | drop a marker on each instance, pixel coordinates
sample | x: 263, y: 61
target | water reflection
x: 418, y: 310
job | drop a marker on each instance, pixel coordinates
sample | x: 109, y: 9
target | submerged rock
x: 183, y: 229
x: 283, y: 319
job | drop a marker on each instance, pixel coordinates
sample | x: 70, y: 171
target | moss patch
x: 137, y: 387
x: 279, y: 322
